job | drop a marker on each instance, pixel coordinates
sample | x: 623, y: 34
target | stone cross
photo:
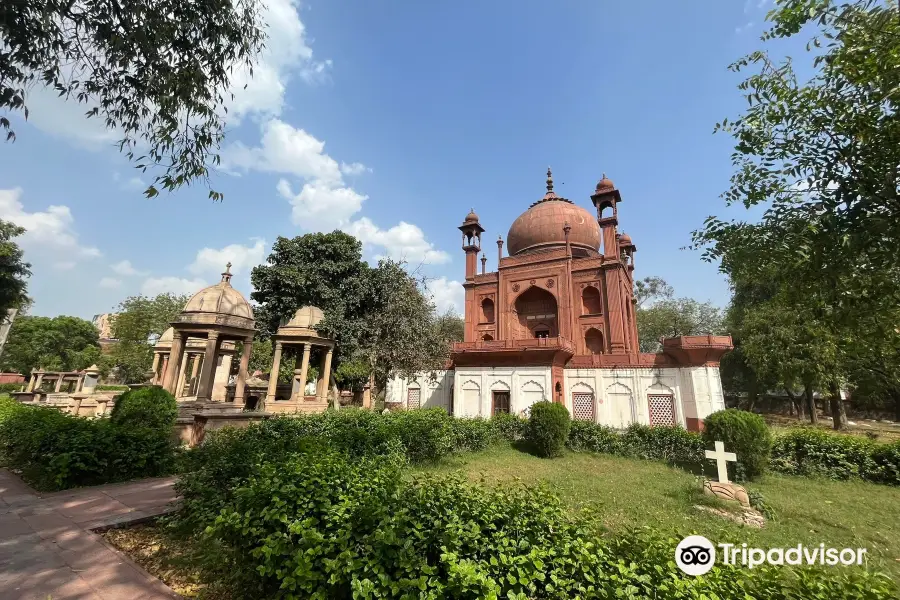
x: 722, y: 459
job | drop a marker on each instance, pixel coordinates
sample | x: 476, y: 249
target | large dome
x: 542, y: 226
x: 218, y: 304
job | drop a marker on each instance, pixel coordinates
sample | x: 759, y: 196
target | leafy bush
x: 56, y: 451
x: 319, y: 524
x: 591, y: 437
x: 151, y: 407
x: 509, y: 427
x: 548, y: 428
x: 671, y: 444
x: 814, y: 452
x: 426, y: 434
x: 744, y: 433
x: 8, y: 388
x: 472, y: 435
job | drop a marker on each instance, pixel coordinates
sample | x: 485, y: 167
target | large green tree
x: 155, y: 71
x: 56, y: 344
x: 379, y: 317
x: 660, y: 315
x: 823, y: 157
x: 138, y: 321
x: 14, y: 271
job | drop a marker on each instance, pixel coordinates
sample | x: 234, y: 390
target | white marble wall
x: 620, y: 395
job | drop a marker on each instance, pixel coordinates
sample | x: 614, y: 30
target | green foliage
x: 55, y: 451
x: 164, y: 87
x: 813, y: 452
x: 57, y: 344
x: 379, y: 316
x: 14, y: 271
x: 669, y: 444
x: 744, y: 433
x: 315, y: 523
x: 661, y: 315
x: 548, y: 428
x: 151, y: 407
x: 6, y: 388
x: 472, y: 435
x: 758, y: 501
x: 509, y: 427
x: 138, y: 321
x: 353, y: 375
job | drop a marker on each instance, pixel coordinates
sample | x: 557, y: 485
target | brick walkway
x: 48, y: 551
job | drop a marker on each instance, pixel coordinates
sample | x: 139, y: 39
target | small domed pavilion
x: 220, y: 314
x: 300, y: 331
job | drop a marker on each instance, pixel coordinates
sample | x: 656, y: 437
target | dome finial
x: 226, y: 276
x: 549, y: 180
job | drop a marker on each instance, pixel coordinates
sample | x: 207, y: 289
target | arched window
x: 536, y: 314
x: 487, y: 337
x: 593, y: 339
x: 590, y: 301
x: 487, y: 311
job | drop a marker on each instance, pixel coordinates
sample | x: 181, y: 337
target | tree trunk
x: 811, y: 404
x: 792, y: 400
x: 894, y: 395
x: 838, y: 413
x: 751, y: 396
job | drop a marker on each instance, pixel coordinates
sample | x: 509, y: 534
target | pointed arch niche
x: 593, y: 341
x: 591, y: 304
x: 620, y: 400
x: 536, y: 313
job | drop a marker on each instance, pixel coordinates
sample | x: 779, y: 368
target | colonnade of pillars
x: 190, y: 363
x: 302, y: 372
x: 174, y: 366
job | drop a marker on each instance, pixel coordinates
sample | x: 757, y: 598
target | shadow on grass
x: 526, y: 448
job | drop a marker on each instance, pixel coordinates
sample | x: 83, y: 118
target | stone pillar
x: 39, y: 382
x: 195, y: 373
x: 59, y: 382
x: 31, y: 381
x: 209, y: 367
x: 326, y: 372
x: 101, y: 406
x: 155, y: 365
x: 172, y: 362
x: 75, y: 406
x: 304, y: 369
x: 163, y: 369
x: 273, y: 375
x: 79, y: 385
x: 242, y: 373
x: 182, y: 374
x: 221, y: 376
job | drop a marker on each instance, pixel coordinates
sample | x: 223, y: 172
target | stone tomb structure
x: 217, y: 314
x: 191, y: 366
x: 556, y: 321
x: 69, y: 391
x: 299, y: 332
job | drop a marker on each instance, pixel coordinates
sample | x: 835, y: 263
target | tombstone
x: 723, y: 488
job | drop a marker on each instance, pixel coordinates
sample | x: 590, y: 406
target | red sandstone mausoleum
x: 556, y: 321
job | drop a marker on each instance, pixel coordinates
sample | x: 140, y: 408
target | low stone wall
x: 81, y: 405
x: 204, y: 422
x: 309, y: 404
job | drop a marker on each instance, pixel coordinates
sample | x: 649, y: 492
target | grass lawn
x: 626, y: 493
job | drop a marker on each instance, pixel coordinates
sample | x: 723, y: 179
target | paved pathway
x: 48, y: 551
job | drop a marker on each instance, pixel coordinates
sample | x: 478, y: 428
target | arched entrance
x: 537, y: 314
x: 593, y: 339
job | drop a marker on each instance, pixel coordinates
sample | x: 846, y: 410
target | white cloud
x: 49, y: 233
x: 64, y: 265
x: 321, y: 206
x: 124, y: 267
x: 109, y: 282
x: 742, y: 28
x: 131, y: 183
x: 154, y: 286
x: 354, y: 169
x: 284, y: 149
x: 242, y: 258
x: 287, y: 51
x: 447, y: 294
x: 403, y: 241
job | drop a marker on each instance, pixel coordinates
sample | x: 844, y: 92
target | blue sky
x: 391, y: 120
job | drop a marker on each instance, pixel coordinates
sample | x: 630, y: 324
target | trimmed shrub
x: 509, y: 427
x: 425, y: 433
x: 591, y: 437
x: 151, y: 407
x: 548, y: 428
x: 472, y: 435
x: 55, y: 451
x: 670, y: 444
x: 817, y: 453
x: 8, y: 388
x: 744, y: 433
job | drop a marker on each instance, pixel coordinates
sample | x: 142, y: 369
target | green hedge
x: 53, y: 450
x: 318, y: 523
x: 670, y: 444
x: 145, y: 407
x: 8, y: 388
x: 744, y: 433
x: 814, y: 452
x: 548, y: 428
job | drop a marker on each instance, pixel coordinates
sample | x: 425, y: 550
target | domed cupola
x: 541, y: 226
